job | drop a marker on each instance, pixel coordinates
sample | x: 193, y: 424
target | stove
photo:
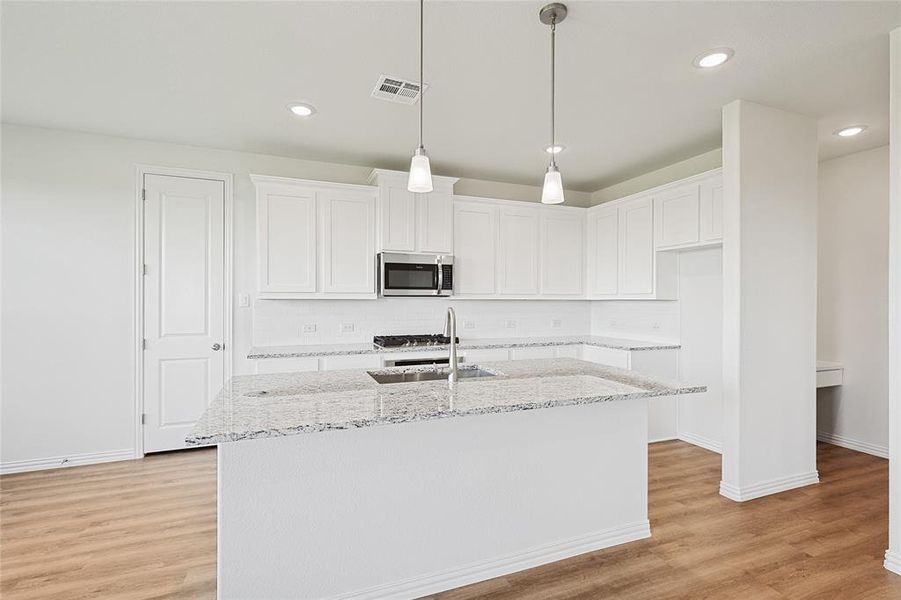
x: 395, y: 341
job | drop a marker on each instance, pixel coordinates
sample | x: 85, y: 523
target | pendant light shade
x: 420, y: 180
x: 552, y: 191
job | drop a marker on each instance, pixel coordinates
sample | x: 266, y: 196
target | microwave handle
x: 440, y: 278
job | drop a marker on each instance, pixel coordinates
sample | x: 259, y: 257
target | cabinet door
x: 475, y: 228
x: 562, y: 253
x: 636, y: 260
x: 398, y: 223
x: 517, y: 267
x: 603, y: 252
x: 435, y: 222
x: 348, y: 242
x: 676, y: 220
x: 286, y: 235
x: 712, y: 209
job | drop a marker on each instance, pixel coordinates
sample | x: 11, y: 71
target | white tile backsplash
x: 656, y: 320
x: 287, y: 322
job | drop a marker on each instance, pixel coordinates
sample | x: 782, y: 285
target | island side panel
x: 398, y: 511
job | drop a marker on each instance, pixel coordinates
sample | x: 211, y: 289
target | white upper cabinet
x: 603, y: 251
x: 411, y: 222
x: 475, y: 232
x: 435, y: 222
x: 711, y: 209
x: 517, y: 260
x: 397, y: 219
x: 348, y: 241
x: 315, y: 239
x: 636, y: 251
x: 676, y: 216
x: 562, y: 251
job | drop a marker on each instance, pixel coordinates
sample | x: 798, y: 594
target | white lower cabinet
x: 285, y: 365
x: 662, y: 424
x: 315, y: 239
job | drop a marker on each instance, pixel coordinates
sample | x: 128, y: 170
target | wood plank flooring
x: 147, y: 529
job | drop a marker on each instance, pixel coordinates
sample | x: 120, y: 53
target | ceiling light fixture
x: 420, y: 180
x: 552, y: 191
x: 713, y: 58
x: 850, y: 131
x: 302, y: 110
x: 556, y: 149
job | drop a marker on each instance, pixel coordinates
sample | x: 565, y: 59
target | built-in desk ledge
x: 319, y: 350
x: 829, y: 374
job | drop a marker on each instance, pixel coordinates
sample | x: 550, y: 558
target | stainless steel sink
x: 408, y: 376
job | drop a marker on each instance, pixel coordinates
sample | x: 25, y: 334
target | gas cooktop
x: 394, y: 341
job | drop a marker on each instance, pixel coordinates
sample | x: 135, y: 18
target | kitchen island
x: 337, y: 486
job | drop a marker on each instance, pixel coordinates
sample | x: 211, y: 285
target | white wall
x: 701, y: 356
x: 278, y: 322
x: 852, y: 299
x: 68, y: 279
x: 674, y: 172
x: 769, y: 300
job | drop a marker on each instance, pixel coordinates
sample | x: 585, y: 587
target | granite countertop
x: 315, y: 350
x: 272, y: 405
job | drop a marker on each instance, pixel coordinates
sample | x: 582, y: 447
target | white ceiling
x: 629, y: 101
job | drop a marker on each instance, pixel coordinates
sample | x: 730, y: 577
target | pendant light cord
x: 421, y: 90
x: 553, y: 89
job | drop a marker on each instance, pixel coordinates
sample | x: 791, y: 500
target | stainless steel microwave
x: 402, y: 274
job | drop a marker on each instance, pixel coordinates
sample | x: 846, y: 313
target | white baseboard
x: 73, y: 460
x: 767, y: 488
x: 703, y: 442
x: 663, y: 439
x: 851, y: 444
x: 893, y: 561
x: 504, y: 565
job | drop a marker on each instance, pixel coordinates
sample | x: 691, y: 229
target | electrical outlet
x: 611, y: 323
x: 347, y: 327
x: 655, y: 325
x: 556, y: 323
x: 510, y: 324
x: 309, y: 327
x: 469, y: 324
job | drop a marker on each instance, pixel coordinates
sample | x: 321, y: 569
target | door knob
x: 217, y: 346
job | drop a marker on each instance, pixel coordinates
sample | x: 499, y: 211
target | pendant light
x: 552, y: 191
x: 420, y: 180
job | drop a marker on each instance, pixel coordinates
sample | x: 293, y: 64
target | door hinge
x: 143, y: 194
x: 143, y: 418
x: 144, y: 344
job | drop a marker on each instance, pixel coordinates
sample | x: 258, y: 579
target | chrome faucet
x: 450, y: 330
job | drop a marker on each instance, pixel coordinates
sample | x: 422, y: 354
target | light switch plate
x: 309, y: 328
x: 556, y: 323
x: 243, y: 300
x: 347, y: 328
x: 510, y: 324
x: 469, y: 324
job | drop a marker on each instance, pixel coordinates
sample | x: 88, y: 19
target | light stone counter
x: 317, y: 350
x: 273, y: 405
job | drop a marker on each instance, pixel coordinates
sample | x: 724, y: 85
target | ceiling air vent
x: 395, y: 89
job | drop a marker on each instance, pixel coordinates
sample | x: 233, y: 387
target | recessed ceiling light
x: 713, y: 58
x: 850, y: 131
x: 555, y: 149
x: 302, y: 110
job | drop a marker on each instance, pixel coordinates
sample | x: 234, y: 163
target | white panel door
x: 562, y: 253
x: 398, y: 220
x: 712, y: 209
x: 286, y: 231
x: 348, y: 242
x: 677, y: 217
x: 636, y: 252
x: 184, y: 314
x: 475, y: 229
x: 603, y: 252
x: 518, y: 248
x: 435, y: 222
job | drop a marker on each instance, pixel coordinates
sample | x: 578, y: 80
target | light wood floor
x: 147, y: 529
